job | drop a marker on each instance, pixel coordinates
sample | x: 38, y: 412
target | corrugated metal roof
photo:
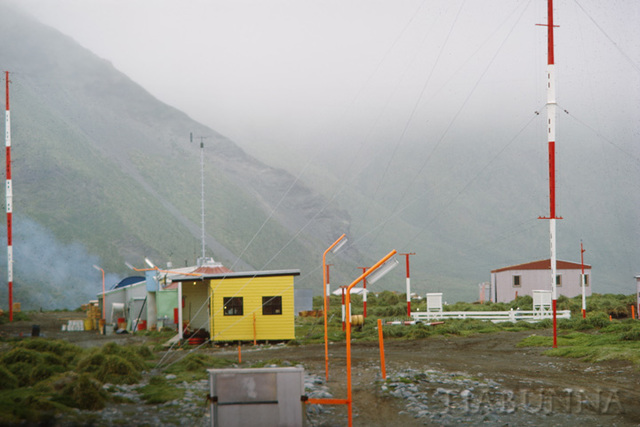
x: 544, y: 264
x: 128, y: 281
x: 231, y: 274
x: 206, y: 270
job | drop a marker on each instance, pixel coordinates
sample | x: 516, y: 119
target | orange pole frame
x: 348, y: 401
x: 324, y: 294
x: 239, y: 354
x: 383, y: 368
x: 348, y: 319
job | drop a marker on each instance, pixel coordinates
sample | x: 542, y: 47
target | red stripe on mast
x: 552, y: 171
x: 550, y: 54
x: 9, y: 199
x: 552, y: 179
x: 408, y: 279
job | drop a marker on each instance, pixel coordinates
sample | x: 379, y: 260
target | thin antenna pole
x: 9, y: 201
x: 202, y: 229
x: 583, y: 283
x: 202, y: 192
x: 408, y: 284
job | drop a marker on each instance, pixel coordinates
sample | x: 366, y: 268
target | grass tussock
x: 40, y: 378
x: 159, y: 390
x: 118, y: 370
x: 617, y: 340
x: 194, y: 366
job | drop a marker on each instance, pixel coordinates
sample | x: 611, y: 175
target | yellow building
x: 240, y: 306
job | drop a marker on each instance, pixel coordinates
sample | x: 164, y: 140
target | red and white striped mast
x: 583, y: 283
x: 9, y: 200
x: 408, y: 284
x: 364, y: 293
x: 551, y: 138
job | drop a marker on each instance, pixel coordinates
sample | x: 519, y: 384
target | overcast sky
x: 296, y: 71
x: 339, y: 74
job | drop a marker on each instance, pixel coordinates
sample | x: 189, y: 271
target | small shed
x: 240, y: 306
x: 126, y: 300
x: 303, y: 300
x: 139, y: 298
x: 522, y: 279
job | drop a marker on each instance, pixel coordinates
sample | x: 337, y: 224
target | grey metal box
x: 256, y: 397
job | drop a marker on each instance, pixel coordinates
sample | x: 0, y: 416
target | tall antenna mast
x: 551, y: 138
x: 202, y: 138
x: 9, y: 201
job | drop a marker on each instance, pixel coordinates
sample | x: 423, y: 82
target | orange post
x: 239, y: 354
x: 383, y: 368
x: 325, y: 297
x: 254, y: 329
x: 633, y: 311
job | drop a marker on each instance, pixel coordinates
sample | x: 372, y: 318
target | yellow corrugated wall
x: 241, y: 328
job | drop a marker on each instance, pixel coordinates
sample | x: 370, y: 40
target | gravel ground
x: 191, y: 410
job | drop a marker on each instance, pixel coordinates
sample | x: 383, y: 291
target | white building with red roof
x: 507, y: 283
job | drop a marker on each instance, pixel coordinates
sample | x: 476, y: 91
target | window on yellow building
x: 233, y: 306
x: 271, y: 305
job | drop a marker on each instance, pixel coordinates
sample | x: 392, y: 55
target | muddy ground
x: 483, y: 379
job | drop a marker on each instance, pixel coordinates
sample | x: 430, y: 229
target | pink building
x: 638, y: 298
x: 523, y: 279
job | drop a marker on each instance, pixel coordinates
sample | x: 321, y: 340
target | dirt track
x: 50, y: 326
x: 559, y: 391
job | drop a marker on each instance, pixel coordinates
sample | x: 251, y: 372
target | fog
x: 297, y: 73
x: 311, y: 85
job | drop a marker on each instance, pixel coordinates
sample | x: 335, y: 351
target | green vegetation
x: 389, y: 306
x: 618, y: 340
x: 270, y: 362
x: 160, y: 390
x: 608, y: 332
x: 40, y: 377
x: 194, y: 365
x: 17, y: 316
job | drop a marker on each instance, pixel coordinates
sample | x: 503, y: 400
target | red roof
x: 202, y: 271
x: 212, y: 270
x: 544, y: 264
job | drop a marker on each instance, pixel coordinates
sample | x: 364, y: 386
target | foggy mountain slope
x: 99, y: 162
x: 475, y: 206
x: 464, y: 181
x: 423, y: 121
